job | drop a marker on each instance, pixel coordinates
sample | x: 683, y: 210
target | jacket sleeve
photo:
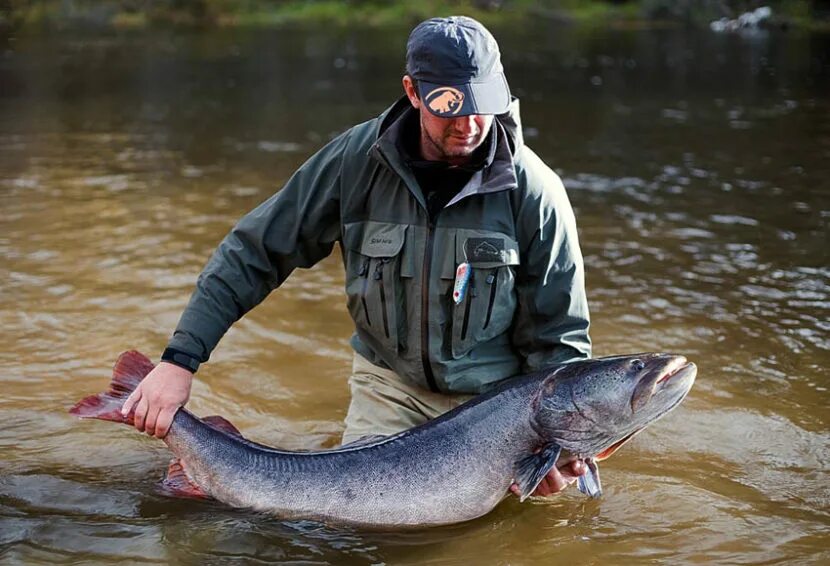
x: 296, y: 227
x: 551, y: 324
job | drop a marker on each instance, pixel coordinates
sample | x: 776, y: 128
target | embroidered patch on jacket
x: 484, y: 249
x: 381, y: 244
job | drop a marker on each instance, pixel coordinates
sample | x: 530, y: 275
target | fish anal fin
x: 130, y: 368
x: 178, y: 484
x: 589, y: 483
x: 531, y: 470
x: 223, y: 424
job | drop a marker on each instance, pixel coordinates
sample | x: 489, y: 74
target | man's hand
x: 158, y: 397
x: 557, y: 479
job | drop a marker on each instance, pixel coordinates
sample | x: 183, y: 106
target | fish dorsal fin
x: 589, y: 483
x: 177, y: 483
x: 223, y: 424
x: 530, y: 470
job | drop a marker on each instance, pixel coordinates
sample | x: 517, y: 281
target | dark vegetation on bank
x: 22, y: 14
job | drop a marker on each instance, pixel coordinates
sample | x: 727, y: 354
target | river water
x: 699, y: 168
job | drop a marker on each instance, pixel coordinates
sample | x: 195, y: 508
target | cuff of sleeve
x: 181, y: 359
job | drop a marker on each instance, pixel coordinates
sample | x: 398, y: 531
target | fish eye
x: 639, y: 365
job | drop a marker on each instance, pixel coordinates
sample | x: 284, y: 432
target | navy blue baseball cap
x: 457, y: 66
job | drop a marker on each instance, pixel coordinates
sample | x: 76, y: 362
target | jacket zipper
x: 492, y: 280
x: 471, y: 294
x: 364, y: 272
x: 379, y: 277
x: 430, y: 377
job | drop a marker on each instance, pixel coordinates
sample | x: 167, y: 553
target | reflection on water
x: 698, y: 165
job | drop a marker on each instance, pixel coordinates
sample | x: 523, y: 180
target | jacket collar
x: 496, y: 176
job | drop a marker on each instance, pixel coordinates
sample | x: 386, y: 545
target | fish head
x: 592, y: 407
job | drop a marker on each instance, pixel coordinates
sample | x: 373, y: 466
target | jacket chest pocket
x: 373, y: 280
x: 487, y: 306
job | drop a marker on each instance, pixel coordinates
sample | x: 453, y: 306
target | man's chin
x: 459, y: 150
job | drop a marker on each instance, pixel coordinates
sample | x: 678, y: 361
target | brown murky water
x: 699, y: 167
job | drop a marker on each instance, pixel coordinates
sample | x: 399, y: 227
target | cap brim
x: 448, y: 100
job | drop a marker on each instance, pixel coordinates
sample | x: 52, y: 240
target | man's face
x: 452, y: 139
x: 448, y: 139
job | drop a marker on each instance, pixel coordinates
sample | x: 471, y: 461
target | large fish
x: 451, y: 469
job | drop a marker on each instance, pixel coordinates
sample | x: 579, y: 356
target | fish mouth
x: 676, y: 376
x: 679, y: 367
x: 676, y: 373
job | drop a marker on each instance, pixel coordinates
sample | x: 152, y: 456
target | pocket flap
x: 486, y: 249
x: 445, y: 246
x: 374, y: 239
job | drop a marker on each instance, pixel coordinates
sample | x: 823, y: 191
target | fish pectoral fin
x: 530, y: 470
x: 589, y: 483
x: 178, y: 484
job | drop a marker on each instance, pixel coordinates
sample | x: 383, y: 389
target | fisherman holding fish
x: 462, y: 262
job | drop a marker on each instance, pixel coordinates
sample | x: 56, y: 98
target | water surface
x: 698, y: 165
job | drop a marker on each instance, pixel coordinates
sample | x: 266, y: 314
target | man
x: 460, y: 248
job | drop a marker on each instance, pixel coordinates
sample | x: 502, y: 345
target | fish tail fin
x: 177, y: 483
x: 130, y: 368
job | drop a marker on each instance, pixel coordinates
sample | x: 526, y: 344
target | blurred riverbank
x: 20, y: 15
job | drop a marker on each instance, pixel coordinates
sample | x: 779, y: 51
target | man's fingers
x: 552, y: 483
x: 574, y: 469
x: 131, y: 400
x: 556, y: 480
x: 150, y: 420
x: 164, y: 420
x: 141, y: 413
x: 543, y: 489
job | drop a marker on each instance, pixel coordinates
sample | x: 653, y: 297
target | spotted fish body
x: 452, y: 469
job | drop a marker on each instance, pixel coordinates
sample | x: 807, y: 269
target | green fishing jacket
x: 525, y: 306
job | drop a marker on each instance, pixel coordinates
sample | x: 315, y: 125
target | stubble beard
x: 453, y: 155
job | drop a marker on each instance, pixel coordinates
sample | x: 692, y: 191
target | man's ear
x: 411, y: 93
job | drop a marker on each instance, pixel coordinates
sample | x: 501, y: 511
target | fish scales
x: 399, y: 478
x: 452, y: 469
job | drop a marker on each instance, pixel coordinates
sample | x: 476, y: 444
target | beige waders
x: 382, y: 404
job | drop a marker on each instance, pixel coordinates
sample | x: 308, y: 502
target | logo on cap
x: 445, y: 100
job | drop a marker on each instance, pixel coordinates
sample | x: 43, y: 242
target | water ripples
x: 703, y: 219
